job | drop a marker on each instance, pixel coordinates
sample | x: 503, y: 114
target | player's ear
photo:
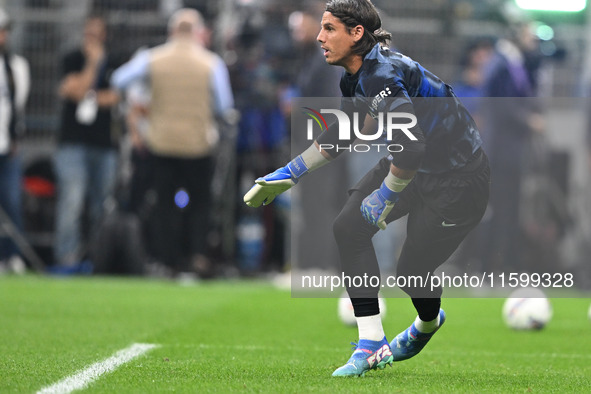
x: 357, y: 32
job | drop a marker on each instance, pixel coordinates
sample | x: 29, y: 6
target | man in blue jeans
x: 86, y: 158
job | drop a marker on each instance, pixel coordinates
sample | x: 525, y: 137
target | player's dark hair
x: 364, y: 13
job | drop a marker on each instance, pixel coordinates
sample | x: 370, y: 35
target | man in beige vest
x: 189, y: 87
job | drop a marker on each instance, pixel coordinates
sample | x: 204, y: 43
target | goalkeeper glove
x: 271, y: 185
x: 376, y: 207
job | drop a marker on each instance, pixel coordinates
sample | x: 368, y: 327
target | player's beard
x: 333, y: 60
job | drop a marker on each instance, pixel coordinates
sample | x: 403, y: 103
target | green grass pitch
x: 246, y: 336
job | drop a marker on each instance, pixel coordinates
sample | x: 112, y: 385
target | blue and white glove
x: 271, y: 185
x: 376, y: 207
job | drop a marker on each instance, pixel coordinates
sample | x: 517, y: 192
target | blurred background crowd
x: 539, y: 218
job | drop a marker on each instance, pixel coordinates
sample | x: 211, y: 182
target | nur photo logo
x: 318, y: 118
x: 350, y: 128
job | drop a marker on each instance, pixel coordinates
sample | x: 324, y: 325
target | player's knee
x: 350, y: 228
x: 341, y: 227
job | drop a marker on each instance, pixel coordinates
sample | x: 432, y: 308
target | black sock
x: 427, y: 308
x: 365, y: 306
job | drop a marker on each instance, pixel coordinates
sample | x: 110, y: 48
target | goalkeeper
x: 440, y: 179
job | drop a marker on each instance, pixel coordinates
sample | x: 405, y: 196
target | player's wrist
x: 388, y: 194
x: 393, y: 186
x: 308, y: 161
x: 297, y: 168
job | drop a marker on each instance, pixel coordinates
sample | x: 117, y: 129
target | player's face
x: 337, y: 41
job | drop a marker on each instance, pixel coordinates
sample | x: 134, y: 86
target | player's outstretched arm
x: 376, y: 207
x: 271, y: 185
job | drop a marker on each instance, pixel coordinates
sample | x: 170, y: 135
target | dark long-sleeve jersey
x: 388, y: 82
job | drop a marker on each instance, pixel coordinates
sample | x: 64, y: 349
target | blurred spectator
x: 137, y: 120
x: 86, y: 158
x: 120, y: 243
x: 469, y: 85
x: 510, y: 122
x: 189, y: 87
x: 315, y: 78
x: 14, y: 91
x: 509, y: 74
x: 260, y: 78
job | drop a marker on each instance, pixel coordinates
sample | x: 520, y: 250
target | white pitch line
x: 83, y: 378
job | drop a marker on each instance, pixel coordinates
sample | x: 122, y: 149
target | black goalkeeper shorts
x: 442, y: 209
